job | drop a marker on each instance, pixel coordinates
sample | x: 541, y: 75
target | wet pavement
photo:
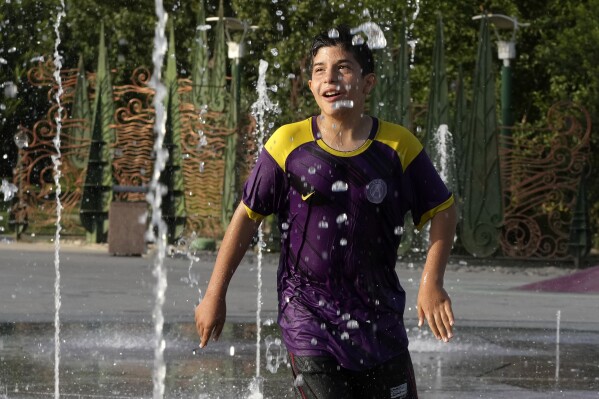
x: 505, y: 345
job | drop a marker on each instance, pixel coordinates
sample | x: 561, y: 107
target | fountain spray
x: 259, y: 110
x: 154, y: 198
x: 56, y: 161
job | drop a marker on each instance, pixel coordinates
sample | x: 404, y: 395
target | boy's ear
x: 370, y: 82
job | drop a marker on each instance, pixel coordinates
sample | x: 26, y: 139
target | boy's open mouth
x: 331, y: 93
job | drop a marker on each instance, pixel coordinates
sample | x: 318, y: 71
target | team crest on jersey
x: 376, y: 191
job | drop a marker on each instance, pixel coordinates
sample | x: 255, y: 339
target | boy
x: 341, y: 184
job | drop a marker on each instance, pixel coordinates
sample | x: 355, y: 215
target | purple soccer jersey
x: 341, y: 215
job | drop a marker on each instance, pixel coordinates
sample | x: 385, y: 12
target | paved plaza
x: 506, y: 343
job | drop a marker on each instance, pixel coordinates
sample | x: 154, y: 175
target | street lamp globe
x: 506, y: 49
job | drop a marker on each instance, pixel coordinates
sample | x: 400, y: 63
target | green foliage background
x: 558, y: 56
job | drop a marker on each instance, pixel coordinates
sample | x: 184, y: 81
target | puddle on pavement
x: 116, y: 360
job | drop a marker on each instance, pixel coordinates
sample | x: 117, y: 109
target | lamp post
x: 506, y: 52
x: 21, y: 139
x: 236, y: 50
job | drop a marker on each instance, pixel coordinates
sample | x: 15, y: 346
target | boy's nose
x: 332, y: 76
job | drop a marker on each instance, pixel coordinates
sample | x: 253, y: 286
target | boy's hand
x: 210, y: 317
x: 434, y: 305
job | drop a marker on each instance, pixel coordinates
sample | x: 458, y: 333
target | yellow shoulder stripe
x: 429, y: 215
x: 255, y: 216
x: 287, y: 138
x: 401, y: 140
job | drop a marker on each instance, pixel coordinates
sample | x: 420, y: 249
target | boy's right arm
x: 210, y: 314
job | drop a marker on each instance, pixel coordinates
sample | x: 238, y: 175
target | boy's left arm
x: 433, y: 302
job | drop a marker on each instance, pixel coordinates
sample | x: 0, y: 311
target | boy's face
x: 337, y: 83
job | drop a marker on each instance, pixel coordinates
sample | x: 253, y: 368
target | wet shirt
x: 341, y: 217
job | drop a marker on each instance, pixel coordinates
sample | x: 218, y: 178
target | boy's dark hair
x: 344, y: 39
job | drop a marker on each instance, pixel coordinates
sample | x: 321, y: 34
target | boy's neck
x: 345, y: 134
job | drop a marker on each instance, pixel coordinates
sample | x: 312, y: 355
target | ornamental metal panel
x: 542, y: 170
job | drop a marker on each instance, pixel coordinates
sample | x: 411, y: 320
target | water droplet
x: 321, y: 302
x: 343, y: 242
x: 285, y: 226
x: 398, y: 230
x: 342, y: 218
x: 21, y: 139
x: 346, y: 316
x: 299, y: 380
x: 10, y: 90
x: 376, y: 37
x: 357, y: 40
x: 274, y: 51
x: 202, y: 165
x: 232, y: 351
x: 311, y: 170
x: 9, y: 190
x: 344, y: 336
x: 343, y: 104
x: 339, y: 186
x: 353, y: 325
x: 323, y: 224
x: 313, y: 341
x: 333, y: 33
x: 323, y: 326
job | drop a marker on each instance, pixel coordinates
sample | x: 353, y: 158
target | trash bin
x: 126, y: 234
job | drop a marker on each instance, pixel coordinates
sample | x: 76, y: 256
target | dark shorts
x: 321, y: 377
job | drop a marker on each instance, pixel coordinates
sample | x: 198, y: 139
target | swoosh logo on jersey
x: 306, y: 196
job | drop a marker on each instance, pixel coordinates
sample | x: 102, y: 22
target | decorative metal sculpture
x: 199, y: 63
x: 541, y: 173
x: 81, y: 111
x: 35, y: 172
x: 218, y: 74
x: 97, y: 189
x: 173, y: 202
x: 459, y: 132
x: 482, y: 211
x: 201, y: 155
x: 403, y: 74
x: 438, y: 103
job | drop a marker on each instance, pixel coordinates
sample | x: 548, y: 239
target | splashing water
x: 154, y: 198
x: 56, y: 162
x: 192, y: 279
x: 412, y: 42
x: 259, y: 110
x: 558, y: 317
x: 8, y: 190
x: 343, y: 104
x: 376, y: 37
x: 339, y: 186
x: 276, y: 354
x: 443, y: 140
